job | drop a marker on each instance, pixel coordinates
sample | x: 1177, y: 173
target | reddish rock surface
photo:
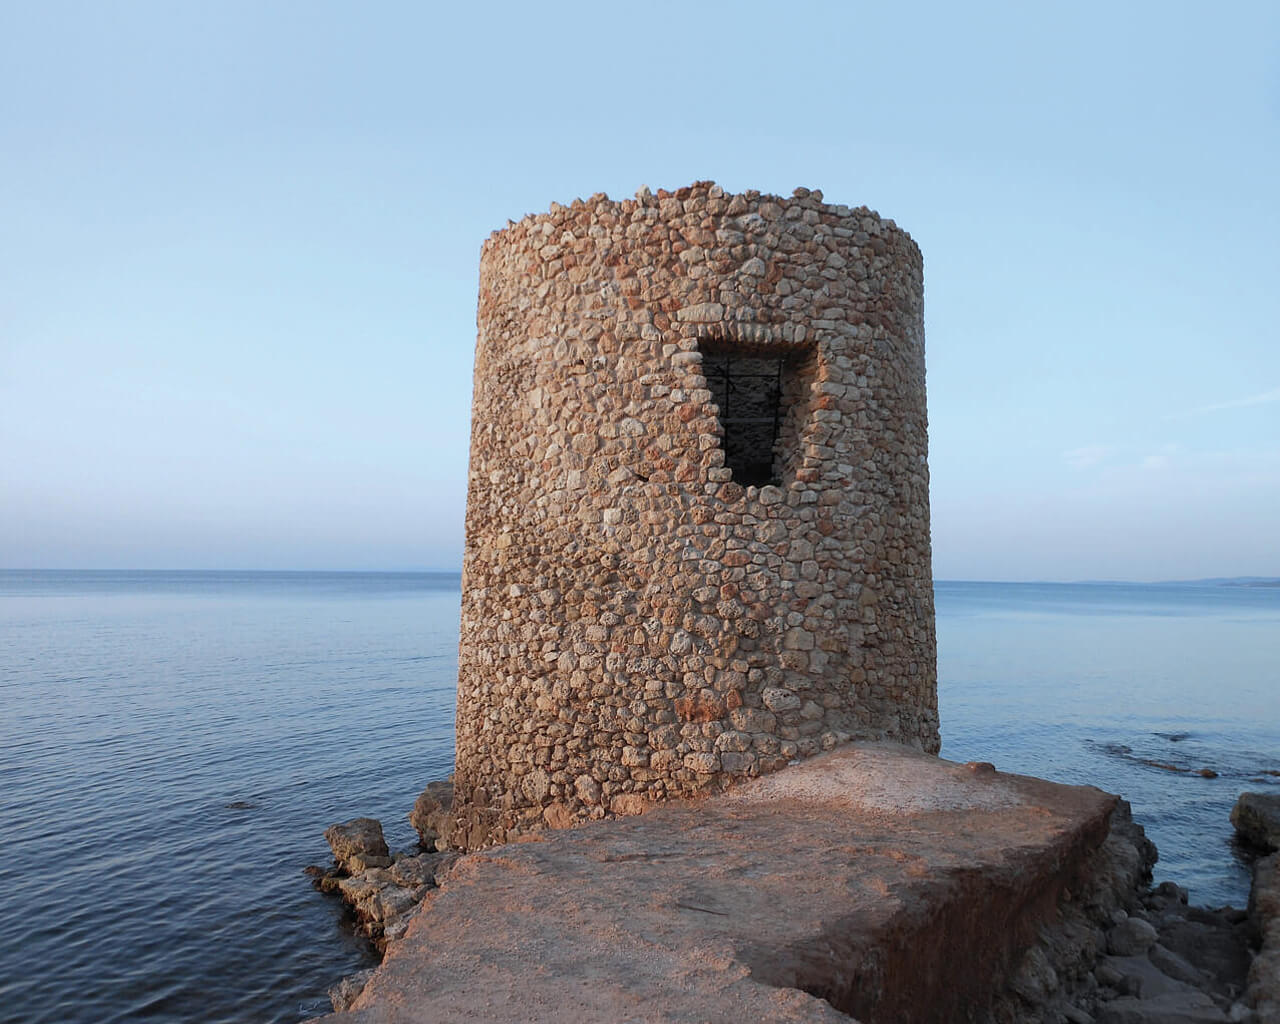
x: 872, y: 882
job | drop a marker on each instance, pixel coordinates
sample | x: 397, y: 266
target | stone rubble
x: 382, y: 890
x: 1264, y: 912
x: 1148, y: 957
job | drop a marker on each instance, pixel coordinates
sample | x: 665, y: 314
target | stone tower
x: 697, y: 521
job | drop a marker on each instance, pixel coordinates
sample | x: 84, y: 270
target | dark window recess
x: 749, y: 391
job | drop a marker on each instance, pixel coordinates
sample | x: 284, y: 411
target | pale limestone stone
x: 751, y: 720
x: 703, y: 762
x: 702, y: 313
x: 635, y: 757
x: 778, y: 699
x: 798, y: 640
x: 587, y: 788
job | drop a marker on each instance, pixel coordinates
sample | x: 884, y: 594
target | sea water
x: 1132, y: 688
x: 173, y: 745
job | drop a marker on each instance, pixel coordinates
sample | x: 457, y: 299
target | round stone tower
x: 697, y: 520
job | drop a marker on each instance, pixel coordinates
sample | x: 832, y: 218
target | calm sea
x: 172, y: 746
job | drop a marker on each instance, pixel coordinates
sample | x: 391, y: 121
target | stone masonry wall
x: 637, y: 625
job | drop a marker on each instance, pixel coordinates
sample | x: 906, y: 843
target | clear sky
x: 239, y: 245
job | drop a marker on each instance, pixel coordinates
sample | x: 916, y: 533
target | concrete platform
x: 873, y: 882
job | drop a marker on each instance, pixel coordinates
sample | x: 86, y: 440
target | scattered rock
x: 377, y: 899
x: 1256, y: 817
x: 1189, y: 1007
x: 384, y: 895
x: 429, y: 869
x: 1217, y: 948
x: 1175, y: 966
x: 358, y: 845
x: 1264, y: 973
x: 415, y: 871
x: 381, y: 904
x: 1036, y: 979
x: 1131, y: 937
x: 1167, y: 961
x: 1147, y: 981
x: 344, y: 993
x: 1108, y: 975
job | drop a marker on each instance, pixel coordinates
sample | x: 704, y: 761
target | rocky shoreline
x: 382, y: 889
x: 1116, y: 951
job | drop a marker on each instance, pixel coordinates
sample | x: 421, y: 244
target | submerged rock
x: 358, y: 845
x: 1256, y: 817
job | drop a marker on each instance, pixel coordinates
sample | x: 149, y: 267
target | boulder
x: 1175, y: 966
x: 430, y: 814
x: 1035, y: 980
x: 1218, y: 951
x: 1256, y: 817
x: 358, y: 845
x: 1131, y: 937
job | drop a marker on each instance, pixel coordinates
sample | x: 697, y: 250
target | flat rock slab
x: 872, y: 882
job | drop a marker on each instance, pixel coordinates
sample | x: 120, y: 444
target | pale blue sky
x: 240, y: 244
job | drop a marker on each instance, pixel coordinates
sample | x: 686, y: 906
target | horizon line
x: 457, y: 571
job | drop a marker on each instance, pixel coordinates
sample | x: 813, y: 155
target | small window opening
x: 751, y: 391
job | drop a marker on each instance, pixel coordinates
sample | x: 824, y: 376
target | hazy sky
x: 239, y: 245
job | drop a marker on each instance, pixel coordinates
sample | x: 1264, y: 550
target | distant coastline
x: 1211, y: 581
